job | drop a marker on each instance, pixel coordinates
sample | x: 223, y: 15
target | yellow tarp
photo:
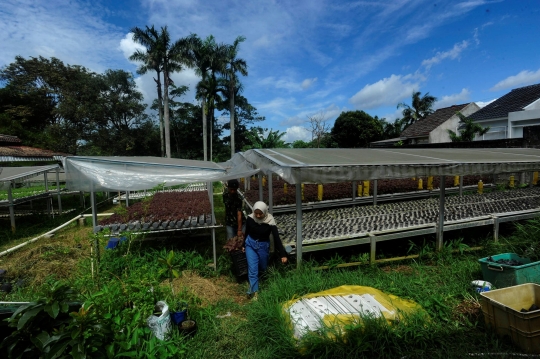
x: 337, y: 307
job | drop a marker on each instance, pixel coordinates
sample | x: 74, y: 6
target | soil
x: 399, y: 269
x: 469, y: 308
x: 210, y: 290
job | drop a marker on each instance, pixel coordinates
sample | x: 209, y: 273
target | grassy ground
x: 231, y: 326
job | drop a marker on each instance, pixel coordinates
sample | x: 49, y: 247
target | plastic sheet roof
x: 21, y: 173
x: 327, y: 165
x: 139, y: 173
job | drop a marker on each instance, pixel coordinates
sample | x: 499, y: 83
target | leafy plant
x: 33, y: 322
x: 169, y: 268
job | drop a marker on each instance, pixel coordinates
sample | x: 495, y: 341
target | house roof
x: 423, y: 127
x: 513, y: 101
x: 9, y: 139
x: 21, y: 153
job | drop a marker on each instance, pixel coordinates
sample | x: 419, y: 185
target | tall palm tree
x: 420, y: 108
x: 151, y: 60
x: 234, y: 65
x: 202, y: 59
x: 174, y: 56
x: 209, y: 60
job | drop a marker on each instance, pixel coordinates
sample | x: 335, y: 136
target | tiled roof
x: 513, y: 101
x: 424, y: 127
x: 9, y: 139
x: 25, y: 151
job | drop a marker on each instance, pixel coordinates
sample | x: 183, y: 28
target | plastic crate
x: 502, y: 312
x: 239, y: 263
x: 503, y: 275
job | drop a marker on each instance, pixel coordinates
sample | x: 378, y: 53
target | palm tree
x: 151, y: 60
x: 233, y: 66
x: 467, y: 129
x: 208, y: 59
x: 202, y: 59
x: 272, y: 140
x: 420, y: 109
x: 175, y: 56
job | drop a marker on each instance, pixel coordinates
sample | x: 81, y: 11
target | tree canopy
x: 354, y: 129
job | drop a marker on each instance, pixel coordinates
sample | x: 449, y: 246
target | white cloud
x: 71, y: 31
x: 386, y: 92
x: 147, y: 85
x: 524, y: 78
x: 484, y: 103
x: 128, y: 46
x: 450, y: 54
x: 454, y: 99
x: 307, y: 83
x: 295, y: 133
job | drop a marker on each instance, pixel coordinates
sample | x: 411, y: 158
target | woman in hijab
x: 260, y: 224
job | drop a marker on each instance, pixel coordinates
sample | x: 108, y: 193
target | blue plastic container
x: 179, y: 317
x: 113, y: 242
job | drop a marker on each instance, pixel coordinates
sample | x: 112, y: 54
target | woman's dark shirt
x: 261, y: 232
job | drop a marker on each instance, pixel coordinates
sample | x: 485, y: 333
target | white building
x: 507, y: 115
x: 434, y: 128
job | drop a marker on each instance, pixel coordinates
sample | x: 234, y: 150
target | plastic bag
x: 160, y: 325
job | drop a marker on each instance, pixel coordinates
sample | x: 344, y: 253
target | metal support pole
x: 374, y: 192
x: 47, y: 190
x: 495, y: 228
x: 531, y: 179
x: 11, y: 209
x: 58, y: 187
x: 211, y: 195
x: 298, y: 225
x: 461, y: 185
x: 270, y: 195
x: 246, y: 182
x: 94, y: 209
x: 372, y: 247
x: 354, y: 190
x: 440, y: 227
x: 127, y: 198
x: 260, y: 176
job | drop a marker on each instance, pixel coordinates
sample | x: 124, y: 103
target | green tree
x: 234, y: 65
x: 273, y: 139
x: 392, y: 129
x: 420, y: 108
x: 302, y: 144
x: 246, y: 117
x: 151, y: 60
x: 208, y: 60
x: 60, y: 102
x: 354, y: 129
x: 468, y: 129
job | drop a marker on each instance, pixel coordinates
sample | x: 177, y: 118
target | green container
x: 503, y: 275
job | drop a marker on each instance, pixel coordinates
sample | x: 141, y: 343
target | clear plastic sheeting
x: 335, y: 308
x: 139, y: 173
x: 328, y: 165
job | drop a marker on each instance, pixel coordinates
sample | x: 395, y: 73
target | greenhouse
x: 11, y: 177
x: 328, y: 229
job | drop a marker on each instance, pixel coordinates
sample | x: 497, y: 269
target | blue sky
x: 305, y: 57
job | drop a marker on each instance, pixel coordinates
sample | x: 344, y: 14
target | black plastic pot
x: 188, y: 327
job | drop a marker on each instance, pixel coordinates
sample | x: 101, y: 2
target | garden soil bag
x: 341, y: 306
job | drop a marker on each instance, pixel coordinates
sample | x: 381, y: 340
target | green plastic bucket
x: 503, y: 275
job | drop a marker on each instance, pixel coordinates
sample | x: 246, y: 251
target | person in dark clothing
x: 234, y: 216
x: 259, y: 226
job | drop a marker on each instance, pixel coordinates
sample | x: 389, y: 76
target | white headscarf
x: 268, y: 218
